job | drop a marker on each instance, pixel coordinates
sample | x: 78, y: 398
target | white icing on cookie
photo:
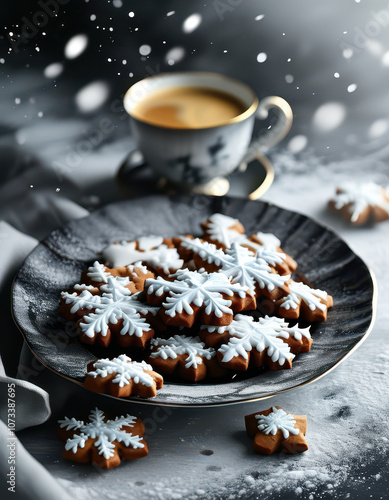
x: 114, y: 304
x: 219, y: 229
x: 299, y: 292
x: 240, y: 264
x: 97, y: 272
x: 106, y: 432
x: 198, y: 288
x: 126, y: 370
x: 268, y: 241
x: 179, y: 345
x: 248, y: 334
x: 278, y: 419
x: 149, y: 242
x: 360, y: 196
x: 123, y: 254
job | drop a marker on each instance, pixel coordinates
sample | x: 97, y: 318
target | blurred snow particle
x: 174, y: 55
x: 348, y: 53
x: 261, y: 16
x: 170, y: 13
x: 261, y: 57
x: 93, y: 17
x: 329, y: 116
x: 124, y: 62
x: 131, y: 14
x: 337, y: 75
x: 352, y: 88
x: 144, y: 50
x: 92, y: 96
x: 2, y: 60
x: 378, y: 128
x: 191, y: 23
x: 53, y: 70
x: 385, y: 59
x: 76, y: 46
x: 17, y: 100
x: 117, y: 3
x: 297, y: 143
x: 40, y: 114
x: 289, y: 78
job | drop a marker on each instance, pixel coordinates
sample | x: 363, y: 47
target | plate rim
x: 153, y: 401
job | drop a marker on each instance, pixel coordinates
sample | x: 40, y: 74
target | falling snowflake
x: 126, y: 370
x: 266, y: 333
x: 278, y: 419
x: 104, y: 432
x: 115, y: 303
x: 240, y: 264
x: 199, y: 288
x: 179, y: 345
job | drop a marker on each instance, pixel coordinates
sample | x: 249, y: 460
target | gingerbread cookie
x: 304, y: 302
x: 276, y: 430
x: 131, y: 276
x: 101, y: 441
x: 114, y: 311
x: 240, y: 264
x: 210, y: 298
x: 157, y: 253
x: 267, y: 342
x: 361, y: 202
x: 122, y: 377
x: 223, y: 231
x: 187, y: 357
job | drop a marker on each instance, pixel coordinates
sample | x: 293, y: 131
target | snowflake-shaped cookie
x: 223, y: 231
x: 361, y: 202
x: 268, y: 341
x: 276, y: 430
x: 184, y: 356
x: 209, y: 297
x: 122, y: 377
x: 113, y: 311
x: 101, y: 441
x: 132, y: 276
x: 150, y: 250
x: 304, y: 302
x: 242, y: 266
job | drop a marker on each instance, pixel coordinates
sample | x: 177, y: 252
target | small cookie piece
x: 268, y: 242
x: 361, y: 202
x: 186, y: 357
x: 101, y: 441
x: 304, y: 302
x: 276, y: 430
x: 122, y: 377
x: 240, y: 264
x: 267, y: 342
x: 113, y: 311
x: 157, y: 253
x: 209, y: 297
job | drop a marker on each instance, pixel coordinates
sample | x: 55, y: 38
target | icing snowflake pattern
x: 266, y: 333
x: 114, y: 304
x: 240, y: 264
x: 299, y: 292
x: 198, y: 288
x: 179, y: 345
x: 278, y: 419
x: 359, y: 197
x: 126, y: 370
x: 106, y: 432
x: 125, y: 253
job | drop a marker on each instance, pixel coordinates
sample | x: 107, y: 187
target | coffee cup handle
x: 273, y: 135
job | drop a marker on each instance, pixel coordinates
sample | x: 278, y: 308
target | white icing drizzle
x: 360, y: 196
x: 299, y: 292
x: 82, y: 286
x: 248, y: 334
x: 198, y: 288
x: 114, y: 304
x: 106, y: 432
x: 137, y: 267
x: 126, y: 370
x: 97, y: 272
x: 214, y: 329
x: 125, y: 253
x: 240, y: 264
x: 278, y: 419
x: 149, y: 242
x: 179, y: 345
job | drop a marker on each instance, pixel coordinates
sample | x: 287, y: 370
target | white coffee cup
x: 195, y: 156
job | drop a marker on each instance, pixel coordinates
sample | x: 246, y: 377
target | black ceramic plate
x: 324, y: 259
